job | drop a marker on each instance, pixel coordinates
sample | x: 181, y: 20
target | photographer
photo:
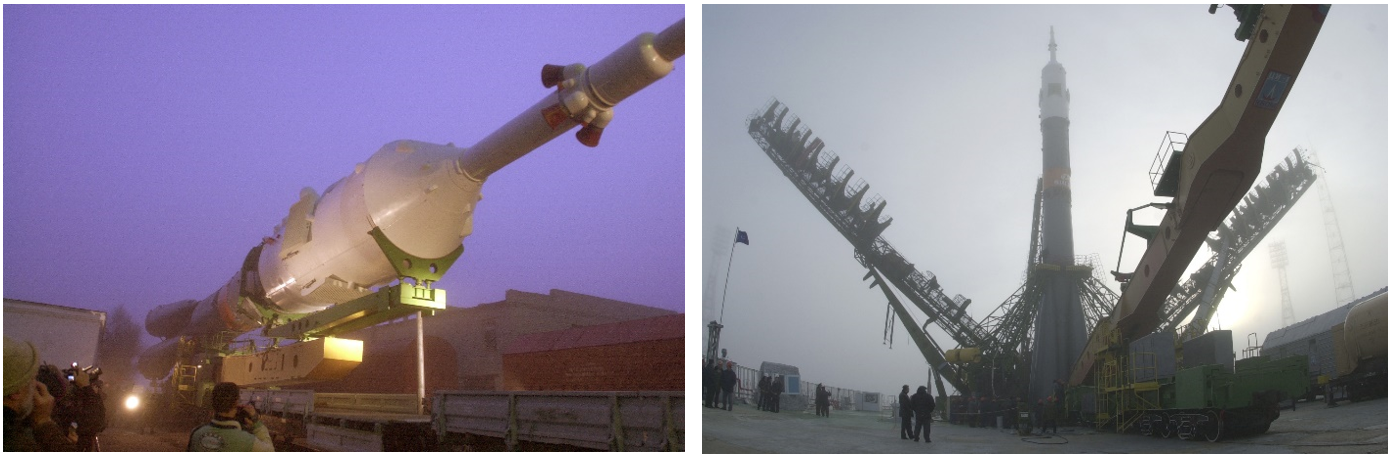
x: 227, y: 431
x: 29, y: 424
x: 90, y: 403
x: 78, y: 402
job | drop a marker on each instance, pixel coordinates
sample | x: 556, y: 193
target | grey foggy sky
x: 935, y: 107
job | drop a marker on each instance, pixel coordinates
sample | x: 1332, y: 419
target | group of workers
x: 719, y: 383
x: 771, y: 387
x: 919, y: 407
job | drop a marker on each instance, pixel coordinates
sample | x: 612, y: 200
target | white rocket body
x: 420, y: 195
x: 408, y: 189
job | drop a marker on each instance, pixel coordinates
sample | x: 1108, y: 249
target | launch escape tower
x: 1062, y: 296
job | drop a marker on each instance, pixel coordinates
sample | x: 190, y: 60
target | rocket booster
x: 1059, y: 322
x: 1054, y: 129
x: 417, y: 197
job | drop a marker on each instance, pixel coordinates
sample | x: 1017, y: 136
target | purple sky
x: 147, y: 149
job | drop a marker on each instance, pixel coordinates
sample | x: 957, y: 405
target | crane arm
x: 1220, y: 162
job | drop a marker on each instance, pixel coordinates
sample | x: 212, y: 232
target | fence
x: 842, y: 398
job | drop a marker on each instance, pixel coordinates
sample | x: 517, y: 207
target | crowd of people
x: 53, y: 410
x: 719, y: 384
x: 44, y: 409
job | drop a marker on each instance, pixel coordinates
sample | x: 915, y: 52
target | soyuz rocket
x: 419, y: 197
x: 1059, y: 322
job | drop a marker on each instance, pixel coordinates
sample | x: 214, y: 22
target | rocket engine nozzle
x: 552, y: 75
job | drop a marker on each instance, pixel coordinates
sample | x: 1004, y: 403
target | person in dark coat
x: 712, y: 375
x: 763, y: 392
x: 729, y: 382
x: 705, y: 381
x: 923, y: 405
x: 906, y: 414
x: 29, y: 424
x: 776, y: 391
x: 826, y: 402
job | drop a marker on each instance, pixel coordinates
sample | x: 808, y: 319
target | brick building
x: 389, y: 367
x: 641, y: 354
x: 479, y: 334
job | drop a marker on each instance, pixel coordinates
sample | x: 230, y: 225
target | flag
x: 741, y: 237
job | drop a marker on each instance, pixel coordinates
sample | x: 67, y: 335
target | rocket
x: 415, y: 197
x: 1059, y: 322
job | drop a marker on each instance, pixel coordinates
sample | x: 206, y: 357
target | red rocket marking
x: 554, y: 115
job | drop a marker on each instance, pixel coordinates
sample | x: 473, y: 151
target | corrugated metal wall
x: 1318, y: 348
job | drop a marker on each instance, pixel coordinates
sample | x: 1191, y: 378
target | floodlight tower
x: 1278, y: 253
x: 1339, y: 263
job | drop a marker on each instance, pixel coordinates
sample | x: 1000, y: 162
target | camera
x: 92, y: 372
x: 245, y: 419
x: 242, y: 415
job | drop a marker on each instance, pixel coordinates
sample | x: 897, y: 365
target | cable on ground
x: 1029, y: 438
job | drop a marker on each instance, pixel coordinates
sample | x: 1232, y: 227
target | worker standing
x: 923, y: 413
x: 729, y: 382
x: 776, y: 391
x: 711, y: 377
x: 906, y: 414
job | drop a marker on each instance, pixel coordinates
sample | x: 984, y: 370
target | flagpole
x: 727, y: 286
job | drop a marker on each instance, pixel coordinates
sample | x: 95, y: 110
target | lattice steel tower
x: 1278, y: 253
x: 1339, y: 264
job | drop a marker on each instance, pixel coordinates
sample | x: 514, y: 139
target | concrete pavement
x: 1313, y: 428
